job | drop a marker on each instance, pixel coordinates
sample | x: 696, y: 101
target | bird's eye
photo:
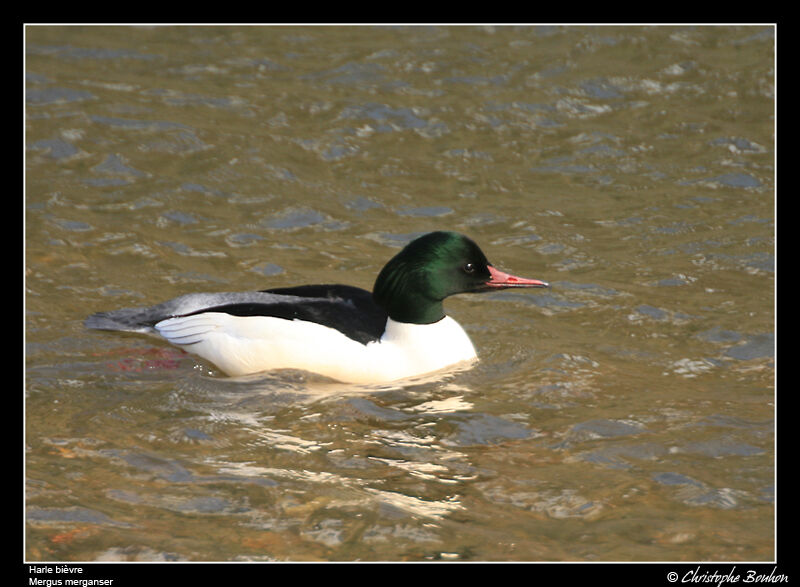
x: 469, y: 268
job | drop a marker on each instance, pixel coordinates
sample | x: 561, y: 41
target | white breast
x: 241, y: 345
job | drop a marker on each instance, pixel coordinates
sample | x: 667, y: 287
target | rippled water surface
x: 625, y: 414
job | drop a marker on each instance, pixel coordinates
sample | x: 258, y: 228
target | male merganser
x: 398, y: 331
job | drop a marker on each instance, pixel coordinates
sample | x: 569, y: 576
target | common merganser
x: 346, y: 333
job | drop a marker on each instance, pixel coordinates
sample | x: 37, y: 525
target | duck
x: 397, y: 331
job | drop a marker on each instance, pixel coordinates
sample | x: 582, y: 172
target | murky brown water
x: 626, y: 414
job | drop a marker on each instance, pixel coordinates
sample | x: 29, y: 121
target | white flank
x: 240, y: 345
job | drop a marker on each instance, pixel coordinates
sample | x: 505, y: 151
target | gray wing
x: 350, y: 310
x: 143, y: 319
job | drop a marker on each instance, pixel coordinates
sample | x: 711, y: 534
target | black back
x: 350, y: 310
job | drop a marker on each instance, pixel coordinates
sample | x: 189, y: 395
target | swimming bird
x: 398, y: 330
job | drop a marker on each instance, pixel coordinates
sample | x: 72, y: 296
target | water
x: 627, y: 414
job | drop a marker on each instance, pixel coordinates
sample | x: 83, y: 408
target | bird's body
x: 398, y: 330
